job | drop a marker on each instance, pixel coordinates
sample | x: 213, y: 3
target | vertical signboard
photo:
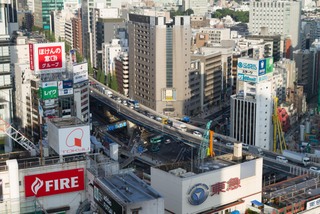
x: 262, y: 67
x: 269, y: 65
x: 31, y: 59
x: 47, y: 57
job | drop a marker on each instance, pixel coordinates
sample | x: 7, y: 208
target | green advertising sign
x: 47, y: 93
x: 269, y: 65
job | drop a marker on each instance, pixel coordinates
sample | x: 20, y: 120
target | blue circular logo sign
x: 198, y: 194
x: 240, y: 64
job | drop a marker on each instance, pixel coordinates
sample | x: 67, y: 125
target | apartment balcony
x: 125, y: 67
x: 125, y: 77
x: 125, y: 62
x: 125, y: 86
x: 125, y: 72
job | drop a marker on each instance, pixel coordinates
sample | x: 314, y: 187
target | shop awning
x: 235, y: 212
x: 257, y: 203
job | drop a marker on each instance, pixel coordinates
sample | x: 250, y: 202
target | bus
x: 133, y: 103
x: 156, y: 139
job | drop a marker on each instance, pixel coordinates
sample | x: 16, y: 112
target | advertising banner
x: 54, y: 183
x: 66, y: 91
x: 80, y: 72
x: 71, y: 140
x: 47, y: 57
x: 262, y: 67
x: 48, y: 90
x: 248, y: 66
x: 31, y: 59
x: 269, y: 65
x: 247, y: 78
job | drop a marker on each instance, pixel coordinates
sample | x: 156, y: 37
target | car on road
x: 245, y: 146
x: 168, y: 141
x: 314, y: 169
x: 230, y: 145
x: 197, y: 133
x: 281, y: 159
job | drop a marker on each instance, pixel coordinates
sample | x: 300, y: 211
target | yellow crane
x: 279, y: 142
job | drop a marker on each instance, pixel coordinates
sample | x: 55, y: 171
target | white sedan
x: 245, y: 146
x: 230, y: 145
x: 315, y: 169
x: 197, y: 133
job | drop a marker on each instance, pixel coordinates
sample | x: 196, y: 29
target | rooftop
x: 66, y: 122
x: 128, y: 188
x: 188, y: 169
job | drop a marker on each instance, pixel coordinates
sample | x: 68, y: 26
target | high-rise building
x: 276, y: 17
x: 42, y: 11
x: 251, y: 115
x: 210, y: 70
x: 159, y: 60
x: 77, y: 32
x: 252, y: 107
x: 303, y: 63
x: 7, y: 16
x: 122, y: 72
x: 105, y: 27
x: 199, y: 7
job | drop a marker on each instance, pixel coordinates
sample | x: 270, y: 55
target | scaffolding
x: 279, y: 143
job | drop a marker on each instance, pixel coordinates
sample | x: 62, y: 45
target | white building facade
x: 279, y: 17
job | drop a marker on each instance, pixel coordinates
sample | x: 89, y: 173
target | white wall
x: 175, y: 189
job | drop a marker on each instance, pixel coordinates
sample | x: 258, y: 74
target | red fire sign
x: 50, y: 57
x: 54, y: 183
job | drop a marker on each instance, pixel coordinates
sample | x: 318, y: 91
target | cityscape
x: 159, y: 107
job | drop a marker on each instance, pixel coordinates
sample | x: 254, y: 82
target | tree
x: 79, y: 57
x: 188, y: 12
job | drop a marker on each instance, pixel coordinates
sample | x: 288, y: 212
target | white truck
x: 255, y: 150
x: 296, y: 157
x: 179, y: 125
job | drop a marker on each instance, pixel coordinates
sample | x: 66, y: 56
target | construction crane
x: 279, y: 143
x: 18, y: 137
x: 205, y: 149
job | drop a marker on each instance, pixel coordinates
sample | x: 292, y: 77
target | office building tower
x: 276, y: 44
x: 105, y: 27
x: 251, y: 115
x: 7, y: 17
x: 276, y: 17
x: 252, y: 107
x: 159, y: 60
x: 211, y: 81
x: 303, y: 65
x: 42, y: 11
x: 199, y: 7
x: 121, y: 63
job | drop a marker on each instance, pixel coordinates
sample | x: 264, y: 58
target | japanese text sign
x: 47, y: 57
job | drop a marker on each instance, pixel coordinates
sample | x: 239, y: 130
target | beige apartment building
x: 159, y: 61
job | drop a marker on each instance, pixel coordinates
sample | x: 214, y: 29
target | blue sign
x: 198, y: 194
x: 67, y: 84
x: 247, y: 65
x: 117, y: 125
x: 247, y: 78
x: 262, y: 67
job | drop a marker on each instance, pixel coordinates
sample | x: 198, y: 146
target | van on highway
x: 281, y: 159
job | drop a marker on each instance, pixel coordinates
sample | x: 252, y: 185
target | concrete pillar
x: 130, y: 127
x: 13, y: 171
